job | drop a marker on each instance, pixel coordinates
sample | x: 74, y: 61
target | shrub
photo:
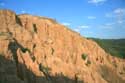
x: 34, y: 28
x: 25, y: 49
x: 6, y: 34
x: 88, y: 63
x: 1, y: 34
x: 44, y: 69
x: 33, y: 58
x: 84, y: 56
x: 52, y: 51
x: 0, y: 54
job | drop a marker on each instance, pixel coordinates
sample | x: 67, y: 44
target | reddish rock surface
x: 39, y: 50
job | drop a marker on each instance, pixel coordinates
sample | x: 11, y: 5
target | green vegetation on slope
x: 115, y: 47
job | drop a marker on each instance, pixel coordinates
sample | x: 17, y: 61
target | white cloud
x: 106, y: 26
x: 66, y: 24
x: 80, y: 28
x: 83, y: 26
x: 23, y: 11
x: 91, y: 17
x: 77, y: 29
x: 118, y: 14
x: 108, y: 15
x: 109, y: 24
x: 119, y: 11
x: 2, y: 4
x: 120, y: 21
x: 96, y: 1
x: 88, y: 32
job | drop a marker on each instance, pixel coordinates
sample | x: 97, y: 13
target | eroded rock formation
x: 39, y: 50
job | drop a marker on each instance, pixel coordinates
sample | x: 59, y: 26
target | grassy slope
x: 115, y: 47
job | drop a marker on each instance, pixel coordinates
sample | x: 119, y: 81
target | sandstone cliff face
x: 39, y: 50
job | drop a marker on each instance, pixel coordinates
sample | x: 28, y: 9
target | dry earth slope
x: 39, y: 50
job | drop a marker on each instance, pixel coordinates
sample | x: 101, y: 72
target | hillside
x: 37, y: 49
x: 115, y: 47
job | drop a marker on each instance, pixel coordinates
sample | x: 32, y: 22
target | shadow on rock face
x: 10, y: 73
x: 110, y: 76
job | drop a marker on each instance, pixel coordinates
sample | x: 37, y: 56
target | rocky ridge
x: 36, y: 49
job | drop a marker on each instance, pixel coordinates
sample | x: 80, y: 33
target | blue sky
x: 91, y: 18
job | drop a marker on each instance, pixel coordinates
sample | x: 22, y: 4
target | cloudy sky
x: 91, y: 18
